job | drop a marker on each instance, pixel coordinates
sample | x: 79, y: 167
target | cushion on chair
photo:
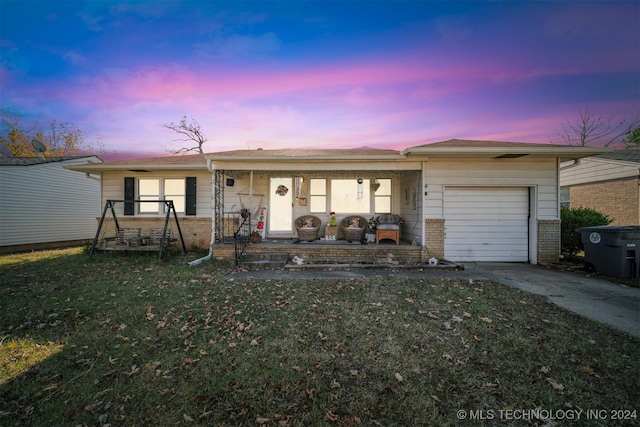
x: 307, y: 222
x: 354, y: 222
x: 388, y: 219
x: 388, y: 227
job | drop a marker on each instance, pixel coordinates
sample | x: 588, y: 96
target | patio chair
x: 353, y: 228
x: 308, y: 227
x: 388, y: 227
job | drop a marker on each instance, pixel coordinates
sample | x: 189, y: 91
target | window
x: 318, y: 195
x: 174, y: 189
x: 565, y: 197
x: 149, y: 189
x: 351, y: 195
x: 181, y: 190
x: 382, y: 198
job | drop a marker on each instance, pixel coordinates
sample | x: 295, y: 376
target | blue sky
x: 318, y: 74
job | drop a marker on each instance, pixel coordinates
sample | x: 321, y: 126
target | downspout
x: 213, y: 219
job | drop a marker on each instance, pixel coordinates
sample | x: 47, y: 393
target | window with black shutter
x: 190, y: 208
x: 129, y: 194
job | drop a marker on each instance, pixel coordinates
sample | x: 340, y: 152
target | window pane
x: 318, y: 204
x: 383, y: 205
x: 347, y: 196
x: 149, y: 187
x: 174, y: 186
x: 317, y: 187
x: 385, y: 187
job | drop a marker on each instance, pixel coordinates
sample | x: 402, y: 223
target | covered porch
x: 278, y: 190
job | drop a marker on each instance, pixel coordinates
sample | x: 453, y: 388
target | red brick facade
x: 618, y: 199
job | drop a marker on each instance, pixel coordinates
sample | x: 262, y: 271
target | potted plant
x: 370, y: 234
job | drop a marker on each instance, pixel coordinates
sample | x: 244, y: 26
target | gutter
x: 213, y: 229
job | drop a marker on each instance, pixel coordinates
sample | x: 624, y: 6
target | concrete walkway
x: 600, y: 300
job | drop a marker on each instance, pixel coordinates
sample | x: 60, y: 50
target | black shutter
x: 190, y: 199
x: 129, y: 194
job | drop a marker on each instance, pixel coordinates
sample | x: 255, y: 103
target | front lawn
x: 126, y: 340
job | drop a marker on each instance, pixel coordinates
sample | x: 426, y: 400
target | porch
x: 279, y: 253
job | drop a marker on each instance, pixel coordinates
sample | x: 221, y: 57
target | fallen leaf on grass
x: 333, y: 417
x: 399, y: 377
x: 556, y: 385
x: 187, y: 418
x: 485, y: 319
x: 261, y: 420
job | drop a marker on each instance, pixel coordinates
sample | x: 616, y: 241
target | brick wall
x: 618, y: 199
x: 196, y: 232
x: 434, y: 239
x: 548, y: 240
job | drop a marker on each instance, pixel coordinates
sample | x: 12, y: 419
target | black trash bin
x: 614, y: 251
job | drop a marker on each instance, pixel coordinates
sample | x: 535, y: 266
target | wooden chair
x: 353, y: 228
x: 388, y: 227
x: 308, y: 227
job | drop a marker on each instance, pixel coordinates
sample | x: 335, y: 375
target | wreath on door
x: 282, y: 190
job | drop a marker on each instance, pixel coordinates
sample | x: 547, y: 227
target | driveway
x: 600, y: 300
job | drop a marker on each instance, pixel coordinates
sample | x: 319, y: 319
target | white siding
x: 46, y: 203
x: 113, y: 188
x: 541, y: 174
x: 594, y: 170
x: 486, y: 224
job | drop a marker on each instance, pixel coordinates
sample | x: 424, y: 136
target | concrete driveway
x: 600, y: 300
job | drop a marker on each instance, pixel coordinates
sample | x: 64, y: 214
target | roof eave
x: 564, y: 153
x: 97, y: 168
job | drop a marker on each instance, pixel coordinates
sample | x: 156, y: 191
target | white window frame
x: 146, y: 208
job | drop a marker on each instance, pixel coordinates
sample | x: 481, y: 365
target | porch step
x: 264, y: 259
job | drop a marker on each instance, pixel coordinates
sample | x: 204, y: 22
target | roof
x: 30, y: 161
x: 627, y: 155
x: 183, y: 162
x: 317, y: 154
x: 501, y: 150
x: 264, y: 159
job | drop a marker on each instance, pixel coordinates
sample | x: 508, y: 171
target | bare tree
x: 62, y: 138
x: 589, y: 128
x: 189, y: 133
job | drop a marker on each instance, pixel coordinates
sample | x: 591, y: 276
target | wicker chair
x: 308, y: 227
x: 388, y: 227
x: 353, y: 228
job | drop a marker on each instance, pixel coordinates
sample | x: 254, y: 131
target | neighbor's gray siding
x: 45, y: 203
x: 595, y: 169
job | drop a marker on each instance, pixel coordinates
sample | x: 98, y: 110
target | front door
x: 280, y: 206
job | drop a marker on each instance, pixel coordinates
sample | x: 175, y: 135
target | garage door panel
x: 486, y: 224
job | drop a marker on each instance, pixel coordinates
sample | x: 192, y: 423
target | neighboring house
x: 42, y: 204
x: 459, y: 200
x: 608, y: 183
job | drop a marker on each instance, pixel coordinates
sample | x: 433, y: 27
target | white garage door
x: 486, y: 224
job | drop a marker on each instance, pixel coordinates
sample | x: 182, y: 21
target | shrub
x: 574, y: 218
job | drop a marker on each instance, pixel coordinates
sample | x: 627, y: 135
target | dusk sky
x: 318, y: 74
